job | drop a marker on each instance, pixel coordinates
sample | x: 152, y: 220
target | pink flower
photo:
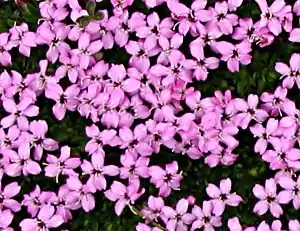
x: 46, y: 218
x: 134, y: 166
x: 80, y: 194
x: 291, y: 74
x: 200, y: 64
x: 153, y: 211
x: 270, y: 14
x: 135, y: 140
x: 167, y: 179
x: 37, y: 198
x: 5, y: 47
x: 155, y: 30
x: 18, y: 112
x: 291, y: 191
x: 65, y: 100
x: 6, y: 194
x: 21, y: 163
x: 248, y: 111
x: 63, y: 165
x: 205, y: 218
x: 222, y: 196
x: 38, y: 130
x: 87, y: 48
x: 235, y: 54
x: 234, y: 225
x: 179, y: 218
x: 265, y: 135
x: 144, y: 227
x: 97, y: 171
x: 124, y: 195
x: 6, y: 218
x: 20, y: 36
x: 222, y: 18
x: 189, y: 18
x: 268, y: 199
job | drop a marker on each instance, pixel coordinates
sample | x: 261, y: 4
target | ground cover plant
x: 149, y: 115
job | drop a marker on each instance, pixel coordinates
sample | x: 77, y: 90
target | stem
x: 138, y: 213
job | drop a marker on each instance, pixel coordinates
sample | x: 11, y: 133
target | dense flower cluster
x: 144, y: 105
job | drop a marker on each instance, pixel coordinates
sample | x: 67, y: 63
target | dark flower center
x: 235, y: 54
x: 221, y: 16
x: 206, y: 220
x: 155, y: 30
x: 270, y: 199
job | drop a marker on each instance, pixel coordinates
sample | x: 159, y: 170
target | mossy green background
x: 249, y: 169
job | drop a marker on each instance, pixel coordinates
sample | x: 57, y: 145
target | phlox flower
x: 179, y: 218
x: 6, y: 195
x: 291, y: 73
x: 222, y: 196
x: 124, y: 195
x: 46, y: 218
x: 21, y: 163
x: 291, y: 191
x: 270, y: 14
x: 97, y: 171
x: 205, y: 218
x: 166, y: 179
x: 235, y: 54
x: 63, y: 165
x: 268, y: 199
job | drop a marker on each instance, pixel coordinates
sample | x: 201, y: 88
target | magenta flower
x: 234, y: 225
x: 222, y: 196
x: 205, y: 218
x: 222, y: 18
x: 155, y: 30
x: 178, y: 219
x: 96, y: 170
x: 235, y: 54
x: 270, y: 14
x: 153, y: 211
x: 65, y: 100
x: 284, y: 155
x: 37, y: 198
x: 87, y: 48
x: 135, y: 140
x: 266, y: 135
x: 269, y: 199
x: 167, y: 179
x: 80, y: 194
x: 294, y: 225
x: 200, y: 64
x: 46, y: 218
x: 53, y: 36
x: 38, y: 129
x: 63, y: 165
x: 248, y: 111
x: 6, y: 218
x: 124, y: 196
x: 23, y: 38
x: 100, y: 139
x: 291, y: 74
x: 176, y: 71
x: 18, y: 112
x: 189, y: 18
x: 5, y: 47
x: 291, y: 191
x: 134, y: 166
x: 21, y: 163
x: 6, y: 195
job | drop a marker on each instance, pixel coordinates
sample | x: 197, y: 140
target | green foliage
x: 255, y: 78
